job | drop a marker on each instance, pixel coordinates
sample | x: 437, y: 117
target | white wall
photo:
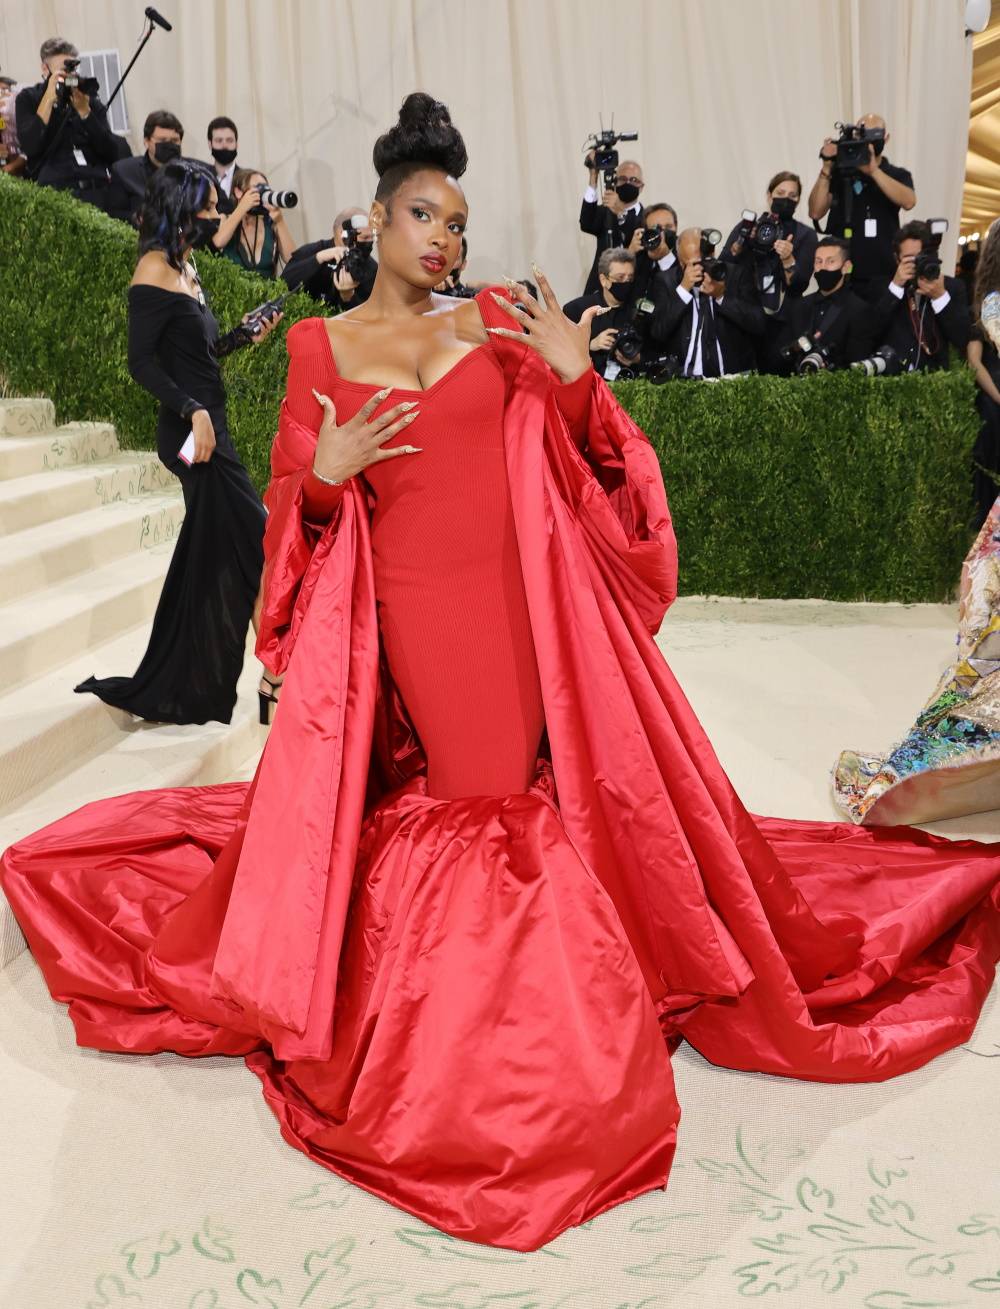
x: 722, y: 92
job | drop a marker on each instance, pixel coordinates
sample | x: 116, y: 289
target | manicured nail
x: 535, y: 269
x: 414, y: 449
x: 409, y: 418
x: 383, y: 394
x: 411, y: 404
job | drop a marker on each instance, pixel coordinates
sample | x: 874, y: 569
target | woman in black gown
x: 190, y: 669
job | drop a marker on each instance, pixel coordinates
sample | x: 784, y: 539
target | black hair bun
x: 424, y: 134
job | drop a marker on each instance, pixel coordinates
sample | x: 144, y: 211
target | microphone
x: 160, y: 21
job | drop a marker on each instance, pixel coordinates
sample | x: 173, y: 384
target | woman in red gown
x: 489, y: 870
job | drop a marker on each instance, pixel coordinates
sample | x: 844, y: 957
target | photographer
x: 710, y: 322
x: 323, y: 270
x: 614, y: 220
x: 921, y: 312
x: 865, y: 196
x: 654, y: 245
x: 616, y: 275
x: 830, y: 328
x: 63, y: 127
x: 162, y: 137
x: 223, y: 143
x: 255, y: 235
x: 783, y: 260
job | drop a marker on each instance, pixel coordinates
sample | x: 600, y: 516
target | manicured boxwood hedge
x: 836, y: 487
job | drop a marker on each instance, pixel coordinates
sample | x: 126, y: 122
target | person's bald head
x: 689, y: 245
x: 343, y: 220
x: 875, y: 122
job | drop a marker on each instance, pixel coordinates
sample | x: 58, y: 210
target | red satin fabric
x: 464, y: 1005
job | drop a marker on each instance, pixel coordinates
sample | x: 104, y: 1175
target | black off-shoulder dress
x: 195, y: 653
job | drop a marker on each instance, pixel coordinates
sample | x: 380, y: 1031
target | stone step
x: 52, y: 627
x: 26, y: 417
x: 46, y: 729
x: 52, y: 551
x: 42, y: 497
x: 71, y: 446
x: 143, y: 756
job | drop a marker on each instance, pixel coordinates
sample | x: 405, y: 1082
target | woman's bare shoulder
x: 469, y: 320
x: 153, y: 270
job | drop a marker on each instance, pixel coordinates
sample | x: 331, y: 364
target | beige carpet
x: 155, y: 1183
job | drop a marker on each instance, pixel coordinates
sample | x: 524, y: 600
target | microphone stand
x: 146, y: 35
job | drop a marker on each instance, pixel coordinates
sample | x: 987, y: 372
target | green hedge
x: 837, y: 486
x: 64, y: 278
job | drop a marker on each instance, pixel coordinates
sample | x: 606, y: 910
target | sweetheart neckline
x: 402, y: 390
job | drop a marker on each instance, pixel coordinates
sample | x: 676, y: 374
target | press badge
x: 80, y: 158
x: 871, y: 227
x: 645, y: 306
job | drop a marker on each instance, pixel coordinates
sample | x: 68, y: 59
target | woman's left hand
x: 267, y: 325
x: 564, y: 345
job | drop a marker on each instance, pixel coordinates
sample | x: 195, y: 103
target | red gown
x: 455, y: 947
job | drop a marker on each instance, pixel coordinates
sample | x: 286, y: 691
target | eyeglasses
x: 636, y: 181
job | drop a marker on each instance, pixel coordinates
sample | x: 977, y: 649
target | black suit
x: 50, y: 147
x: 842, y: 322
x: 730, y: 326
x: 650, y: 277
x: 610, y: 229
x: 128, y: 186
x: 897, y: 322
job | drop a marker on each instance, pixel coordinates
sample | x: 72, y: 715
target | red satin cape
x: 466, y: 1006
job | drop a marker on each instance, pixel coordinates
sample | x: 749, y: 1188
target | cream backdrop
x: 722, y: 92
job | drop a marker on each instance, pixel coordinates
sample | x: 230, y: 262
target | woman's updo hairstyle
x: 175, y: 195
x: 424, y: 137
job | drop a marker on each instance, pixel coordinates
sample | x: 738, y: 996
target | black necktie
x: 709, y: 338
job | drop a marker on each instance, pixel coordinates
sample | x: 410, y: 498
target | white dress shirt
x: 225, y: 180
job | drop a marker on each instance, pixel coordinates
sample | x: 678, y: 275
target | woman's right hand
x: 204, y: 436
x: 603, y: 340
x: 343, y: 452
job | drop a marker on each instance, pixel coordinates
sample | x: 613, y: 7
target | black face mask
x: 164, y: 151
x: 627, y: 193
x: 204, y: 230
x: 621, y: 291
x: 223, y: 157
x: 783, y: 206
x: 827, y: 278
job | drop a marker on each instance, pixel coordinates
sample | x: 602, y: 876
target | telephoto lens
x: 277, y: 199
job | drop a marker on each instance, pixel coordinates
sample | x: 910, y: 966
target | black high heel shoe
x: 265, y: 699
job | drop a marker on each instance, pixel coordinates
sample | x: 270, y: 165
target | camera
x: 628, y: 342
x: 359, y: 252
x: 72, y: 81
x: 928, y: 260
x: 715, y: 268
x: 652, y: 236
x: 853, y: 142
x: 605, y: 156
x: 884, y: 362
x: 276, y: 199
x: 806, y: 356
x: 664, y: 368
